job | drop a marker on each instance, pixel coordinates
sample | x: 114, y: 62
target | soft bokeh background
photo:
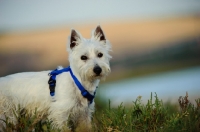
x: 156, y: 44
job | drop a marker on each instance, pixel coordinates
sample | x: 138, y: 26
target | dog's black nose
x: 97, y: 70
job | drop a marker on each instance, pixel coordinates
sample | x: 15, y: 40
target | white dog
x: 89, y: 63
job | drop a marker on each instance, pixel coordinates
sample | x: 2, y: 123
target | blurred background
x: 156, y: 45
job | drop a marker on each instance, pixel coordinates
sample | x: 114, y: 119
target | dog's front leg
x: 84, y: 124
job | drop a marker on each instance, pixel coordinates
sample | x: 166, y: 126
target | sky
x: 27, y: 15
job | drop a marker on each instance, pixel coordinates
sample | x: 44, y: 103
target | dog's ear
x: 74, y: 38
x: 98, y: 33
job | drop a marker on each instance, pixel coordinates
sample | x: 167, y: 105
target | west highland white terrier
x: 65, y: 94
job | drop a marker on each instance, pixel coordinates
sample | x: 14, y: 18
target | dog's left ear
x: 98, y: 34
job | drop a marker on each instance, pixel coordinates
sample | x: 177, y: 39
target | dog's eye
x: 100, y: 55
x: 83, y: 57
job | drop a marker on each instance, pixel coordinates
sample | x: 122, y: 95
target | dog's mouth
x: 98, y: 76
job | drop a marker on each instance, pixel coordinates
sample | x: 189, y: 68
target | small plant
x: 187, y: 119
x: 184, y: 103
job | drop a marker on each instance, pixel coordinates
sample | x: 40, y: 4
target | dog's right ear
x: 74, y: 38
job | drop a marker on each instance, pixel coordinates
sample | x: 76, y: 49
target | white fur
x: 30, y: 90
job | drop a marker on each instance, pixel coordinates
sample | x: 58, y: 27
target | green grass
x: 153, y: 116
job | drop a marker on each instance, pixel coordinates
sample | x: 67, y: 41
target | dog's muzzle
x: 97, y: 70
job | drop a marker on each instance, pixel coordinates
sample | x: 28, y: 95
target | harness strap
x: 52, y: 84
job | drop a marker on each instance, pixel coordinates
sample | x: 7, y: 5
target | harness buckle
x: 51, y: 81
x: 52, y: 85
x: 84, y: 93
x: 87, y: 95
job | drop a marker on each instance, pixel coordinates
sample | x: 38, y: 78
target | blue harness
x: 52, y: 83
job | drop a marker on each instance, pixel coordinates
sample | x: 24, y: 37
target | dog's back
x: 25, y: 90
x: 28, y: 82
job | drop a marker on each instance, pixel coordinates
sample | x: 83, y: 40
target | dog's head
x: 89, y: 57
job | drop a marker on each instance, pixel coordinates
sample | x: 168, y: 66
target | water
x: 168, y: 86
